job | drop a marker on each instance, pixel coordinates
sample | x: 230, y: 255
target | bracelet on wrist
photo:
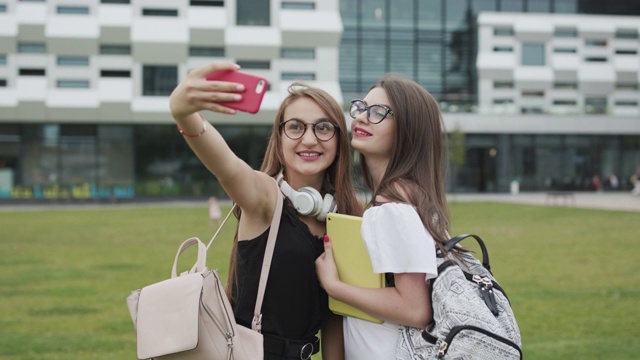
x: 204, y: 129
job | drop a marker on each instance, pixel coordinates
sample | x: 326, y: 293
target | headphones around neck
x: 308, y: 200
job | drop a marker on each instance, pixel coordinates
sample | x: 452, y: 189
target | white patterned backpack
x: 472, y: 316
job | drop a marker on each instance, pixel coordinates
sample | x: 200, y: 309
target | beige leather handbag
x: 189, y: 316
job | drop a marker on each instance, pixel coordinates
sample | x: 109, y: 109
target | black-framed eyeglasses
x: 375, y: 113
x: 295, y: 128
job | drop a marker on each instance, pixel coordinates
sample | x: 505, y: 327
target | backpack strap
x: 485, y: 254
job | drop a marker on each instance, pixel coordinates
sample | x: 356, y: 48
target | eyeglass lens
x: 294, y: 129
x: 375, y: 113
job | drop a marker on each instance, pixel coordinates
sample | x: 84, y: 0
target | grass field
x: 571, y: 274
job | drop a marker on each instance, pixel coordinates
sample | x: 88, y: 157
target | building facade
x: 544, y: 92
x: 84, y: 88
x: 539, y: 92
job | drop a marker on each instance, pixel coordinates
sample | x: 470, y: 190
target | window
x: 626, y: 103
x: 206, y: 3
x: 595, y: 59
x: 302, y: 76
x: 159, y: 80
x: 31, y: 72
x: 565, y: 33
x: 204, y: 51
x: 531, y: 110
x: 532, y: 93
x: 32, y: 48
x: 307, y: 5
x: 502, y: 101
x: 253, y: 13
x: 564, y: 50
x: 73, y: 84
x: 627, y: 86
x: 503, y: 49
x: 112, y: 49
x: 565, y: 102
x: 72, y: 61
x: 115, y: 1
x: 626, y: 52
x: 159, y: 12
x: 595, y: 105
x: 626, y: 34
x: 73, y: 10
x: 3, y: 82
x: 3, y: 59
x: 503, y: 32
x: 115, y: 73
x: 595, y: 43
x: 533, y: 54
x: 3, y: 8
x: 256, y: 65
x: 294, y: 53
x: 565, y: 85
x: 503, y: 85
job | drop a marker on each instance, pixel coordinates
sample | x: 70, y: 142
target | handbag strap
x: 256, y: 323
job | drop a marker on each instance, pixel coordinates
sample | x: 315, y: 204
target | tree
x: 458, y: 153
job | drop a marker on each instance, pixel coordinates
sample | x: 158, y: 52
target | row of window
x: 566, y: 85
x: 157, y: 80
x: 103, y: 73
x: 84, y: 10
x: 561, y: 32
x: 565, y: 50
x: 594, y: 102
x: 534, y: 54
x: 195, y: 51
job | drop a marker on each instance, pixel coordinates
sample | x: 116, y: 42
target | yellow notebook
x: 352, y: 260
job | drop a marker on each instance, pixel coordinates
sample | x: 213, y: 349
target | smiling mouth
x: 361, y: 132
x: 307, y: 154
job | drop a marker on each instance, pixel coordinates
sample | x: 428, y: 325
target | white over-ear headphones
x: 308, y: 200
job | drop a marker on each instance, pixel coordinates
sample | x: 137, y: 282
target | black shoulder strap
x: 485, y: 254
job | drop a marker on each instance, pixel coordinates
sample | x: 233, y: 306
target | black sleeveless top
x: 295, y: 306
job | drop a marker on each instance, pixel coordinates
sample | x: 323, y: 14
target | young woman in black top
x: 309, y: 146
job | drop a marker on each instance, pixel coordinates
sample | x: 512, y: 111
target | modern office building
x: 84, y: 88
x: 545, y: 92
x: 542, y: 92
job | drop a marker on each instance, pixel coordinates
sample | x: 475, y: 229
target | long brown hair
x: 338, y: 174
x: 415, y: 173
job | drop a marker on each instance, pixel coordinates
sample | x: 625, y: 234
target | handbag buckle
x: 304, y: 355
x: 256, y: 324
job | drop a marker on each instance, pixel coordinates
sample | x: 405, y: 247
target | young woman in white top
x: 398, y: 130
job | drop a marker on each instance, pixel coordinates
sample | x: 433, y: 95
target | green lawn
x: 64, y: 275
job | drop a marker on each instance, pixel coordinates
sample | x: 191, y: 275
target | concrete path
x: 605, y: 200
x: 590, y: 200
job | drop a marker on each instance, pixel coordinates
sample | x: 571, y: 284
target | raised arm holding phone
x: 308, y: 150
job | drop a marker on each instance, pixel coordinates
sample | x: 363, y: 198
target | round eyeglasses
x: 375, y: 113
x: 323, y: 130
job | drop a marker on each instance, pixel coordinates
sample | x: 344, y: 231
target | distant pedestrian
x: 614, y: 183
x: 635, y: 181
x: 214, y: 211
x: 596, y: 183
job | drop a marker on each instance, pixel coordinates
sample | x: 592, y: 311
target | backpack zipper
x: 444, y: 346
x: 228, y: 332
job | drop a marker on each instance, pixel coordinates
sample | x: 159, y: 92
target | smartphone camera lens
x: 260, y: 87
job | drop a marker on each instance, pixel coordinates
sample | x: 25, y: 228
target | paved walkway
x: 590, y: 200
x: 604, y: 200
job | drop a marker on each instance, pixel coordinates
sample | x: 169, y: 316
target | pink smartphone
x: 255, y: 88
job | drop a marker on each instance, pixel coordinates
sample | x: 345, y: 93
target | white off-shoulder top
x: 397, y: 242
